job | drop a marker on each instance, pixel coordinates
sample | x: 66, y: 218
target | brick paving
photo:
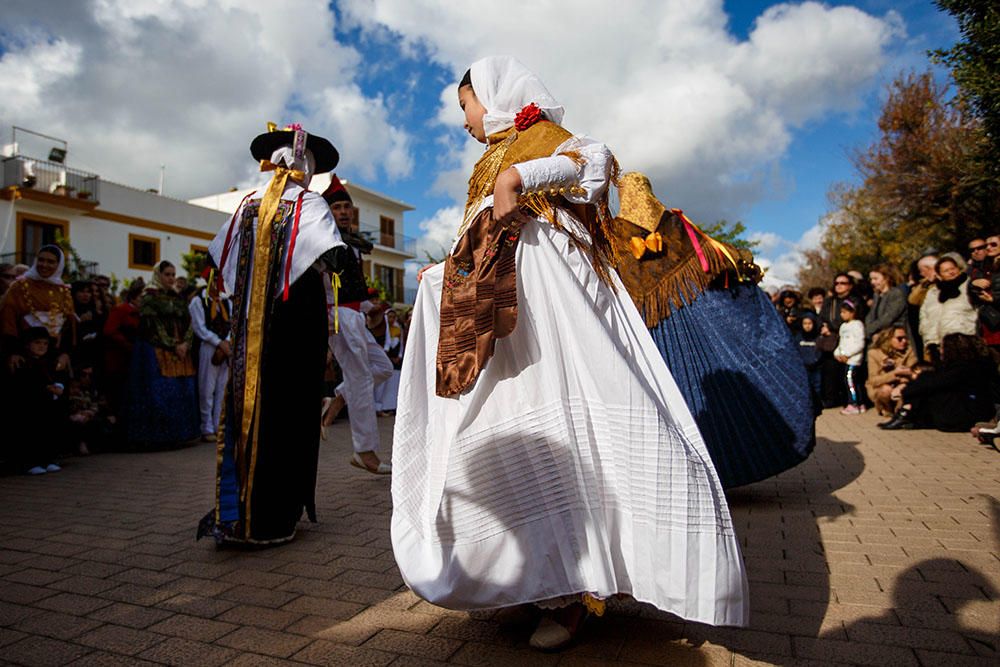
x: 882, y: 549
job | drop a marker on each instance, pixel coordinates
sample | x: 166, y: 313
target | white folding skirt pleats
x: 572, y: 465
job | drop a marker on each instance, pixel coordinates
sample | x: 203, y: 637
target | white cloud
x: 783, y: 257
x: 133, y: 84
x: 767, y: 242
x: 438, y: 232
x: 671, y: 91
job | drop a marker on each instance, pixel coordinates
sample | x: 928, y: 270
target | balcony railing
x: 50, y: 177
x: 399, y: 242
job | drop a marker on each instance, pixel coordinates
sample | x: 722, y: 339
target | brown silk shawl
x: 479, y: 296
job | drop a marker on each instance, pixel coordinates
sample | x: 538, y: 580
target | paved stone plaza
x: 882, y: 549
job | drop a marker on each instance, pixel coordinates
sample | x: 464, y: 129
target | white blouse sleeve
x: 581, y: 181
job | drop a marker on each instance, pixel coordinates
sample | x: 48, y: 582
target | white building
x: 377, y: 216
x: 123, y: 232
x: 115, y: 229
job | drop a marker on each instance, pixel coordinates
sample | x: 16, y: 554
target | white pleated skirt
x: 572, y: 464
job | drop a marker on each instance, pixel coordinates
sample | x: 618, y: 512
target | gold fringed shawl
x: 690, y: 260
x: 479, y: 297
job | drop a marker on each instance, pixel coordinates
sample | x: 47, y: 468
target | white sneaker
x: 52, y: 467
x: 37, y: 470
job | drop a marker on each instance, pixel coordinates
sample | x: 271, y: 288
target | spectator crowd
x: 88, y: 368
x: 921, y: 347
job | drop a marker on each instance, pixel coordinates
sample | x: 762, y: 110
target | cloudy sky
x: 737, y: 110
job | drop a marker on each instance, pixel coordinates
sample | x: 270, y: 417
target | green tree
x: 193, y: 263
x: 975, y: 65
x: 731, y: 233
x: 923, y: 184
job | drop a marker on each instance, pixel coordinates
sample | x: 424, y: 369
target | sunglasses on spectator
x: 992, y: 244
x: 841, y: 282
x: 977, y: 248
x: 899, y: 337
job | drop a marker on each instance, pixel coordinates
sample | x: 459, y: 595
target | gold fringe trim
x: 575, y: 156
x: 684, y: 283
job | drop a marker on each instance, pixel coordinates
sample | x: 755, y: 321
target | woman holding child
x: 890, y: 364
x: 39, y: 298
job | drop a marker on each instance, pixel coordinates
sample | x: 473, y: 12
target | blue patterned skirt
x: 162, y: 411
x: 733, y: 359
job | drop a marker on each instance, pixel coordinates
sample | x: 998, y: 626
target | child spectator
x: 807, y: 339
x: 89, y: 422
x: 37, y: 400
x: 850, y: 353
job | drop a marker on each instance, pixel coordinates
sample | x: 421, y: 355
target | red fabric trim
x: 229, y: 237
x: 291, y: 244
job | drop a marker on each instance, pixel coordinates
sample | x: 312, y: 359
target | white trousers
x: 364, y: 364
x: 387, y: 392
x: 211, y: 388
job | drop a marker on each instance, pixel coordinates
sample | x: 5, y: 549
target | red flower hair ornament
x: 527, y: 116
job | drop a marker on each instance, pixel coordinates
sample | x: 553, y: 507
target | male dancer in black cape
x: 271, y: 256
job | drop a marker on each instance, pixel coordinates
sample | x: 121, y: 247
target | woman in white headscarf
x: 39, y: 298
x: 163, y: 384
x: 536, y: 462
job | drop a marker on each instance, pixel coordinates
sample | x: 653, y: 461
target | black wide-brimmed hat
x: 264, y: 145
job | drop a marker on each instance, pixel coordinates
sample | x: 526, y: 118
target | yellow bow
x: 294, y: 174
x: 653, y: 243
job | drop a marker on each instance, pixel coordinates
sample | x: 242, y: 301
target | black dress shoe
x: 898, y: 418
x: 897, y: 423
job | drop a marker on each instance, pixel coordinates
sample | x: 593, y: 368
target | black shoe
x: 899, y: 421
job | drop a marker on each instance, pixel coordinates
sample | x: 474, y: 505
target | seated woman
x: 890, y: 364
x: 961, y: 391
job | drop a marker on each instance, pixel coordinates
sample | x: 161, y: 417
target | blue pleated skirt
x: 162, y: 411
x: 734, y: 361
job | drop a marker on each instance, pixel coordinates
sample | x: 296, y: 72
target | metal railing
x: 51, y: 177
x: 400, y: 242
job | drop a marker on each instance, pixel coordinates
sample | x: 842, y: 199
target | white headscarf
x: 504, y: 86
x: 55, y: 278
x: 286, y: 155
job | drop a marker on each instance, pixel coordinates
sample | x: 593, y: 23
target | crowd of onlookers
x: 87, y: 367
x: 921, y: 347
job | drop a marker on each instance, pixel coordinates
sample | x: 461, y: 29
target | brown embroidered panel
x: 478, y: 301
